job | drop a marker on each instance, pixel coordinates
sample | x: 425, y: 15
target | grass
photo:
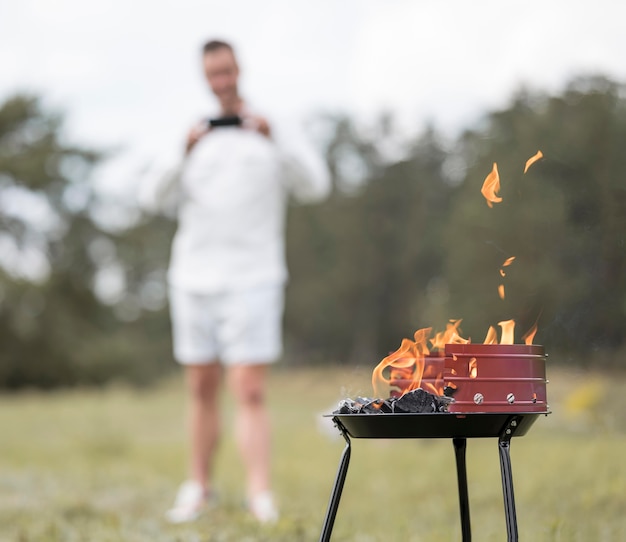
x: 102, y: 465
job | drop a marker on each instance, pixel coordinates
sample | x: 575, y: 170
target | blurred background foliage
x: 405, y: 241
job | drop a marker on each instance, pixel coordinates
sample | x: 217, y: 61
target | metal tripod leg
x: 504, y: 442
x: 460, y: 446
x: 335, y: 496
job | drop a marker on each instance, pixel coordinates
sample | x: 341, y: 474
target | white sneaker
x: 190, y: 501
x: 263, y: 508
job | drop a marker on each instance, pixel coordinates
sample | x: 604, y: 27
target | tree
x: 360, y: 261
x: 54, y: 329
x: 564, y: 220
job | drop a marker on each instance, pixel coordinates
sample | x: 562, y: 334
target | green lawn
x: 102, y: 466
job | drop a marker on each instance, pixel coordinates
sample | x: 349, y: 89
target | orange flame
x: 408, y: 360
x: 432, y: 388
x: 432, y: 379
x: 508, y: 330
x: 407, y: 367
x: 491, y: 187
x: 421, y: 338
x: 450, y: 336
x: 473, y: 368
x: 492, y: 336
x: 532, y: 160
x: 506, y: 263
x: 530, y: 334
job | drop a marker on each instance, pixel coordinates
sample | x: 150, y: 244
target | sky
x: 127, y: 74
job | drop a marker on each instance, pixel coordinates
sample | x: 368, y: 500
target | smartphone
x: 233, y: 120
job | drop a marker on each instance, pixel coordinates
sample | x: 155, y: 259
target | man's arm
x: 306, y: 175
x: 195, y: 134
x: 158, y: 189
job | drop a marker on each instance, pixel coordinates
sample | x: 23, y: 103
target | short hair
x: 215, y: 45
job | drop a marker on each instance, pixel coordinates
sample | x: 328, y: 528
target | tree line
x: 402, y: 243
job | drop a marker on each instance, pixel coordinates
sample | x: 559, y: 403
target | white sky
x: 128, y: 74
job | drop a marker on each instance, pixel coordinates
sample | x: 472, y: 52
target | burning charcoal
x: 377, y: 406
x: 360, y: 405
x: 416, y: 401
x: 443, y: 402
x: 370, y: 406
x: 449, y: 391
x: 348, y: 406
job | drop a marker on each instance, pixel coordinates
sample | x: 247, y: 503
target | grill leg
x: 335, y: 496
x: 504, y: 442
x: 460, y: 445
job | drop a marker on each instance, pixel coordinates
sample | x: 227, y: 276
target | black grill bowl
x: 434, y: 425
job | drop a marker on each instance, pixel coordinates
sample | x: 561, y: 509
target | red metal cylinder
x: 496, y: 377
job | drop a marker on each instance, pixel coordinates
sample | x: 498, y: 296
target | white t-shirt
x: 232, y: 192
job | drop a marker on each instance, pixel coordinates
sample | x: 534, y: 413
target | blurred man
x: 227, y: 275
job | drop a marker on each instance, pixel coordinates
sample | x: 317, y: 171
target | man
x: 227, y: 275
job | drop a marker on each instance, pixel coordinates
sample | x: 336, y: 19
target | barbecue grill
x: 501, y: 390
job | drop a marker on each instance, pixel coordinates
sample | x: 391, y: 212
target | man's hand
x: 249, y: 122
x: 258, y: 124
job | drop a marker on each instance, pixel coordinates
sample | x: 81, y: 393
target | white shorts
x: 239, y: 327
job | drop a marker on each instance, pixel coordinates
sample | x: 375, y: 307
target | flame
x: 532, y: 160
x: 407, y: 368
x: 398, y: 376
x: 508, y: 329
x: 451, y: 385
x: 421, y: 338
x: 473, y: 368
x: 432, y: 373
x: 492, y: 336
x: 530, y: 334
x: 406, y: 362
x: 377, y: 404
x: 491, y: 187
x: 431, y: 388
x: 450, y: 336
x: 501, y: 291
x: 506, y: 263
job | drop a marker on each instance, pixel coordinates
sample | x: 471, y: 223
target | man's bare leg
x: 252, y: 426
x: 203, y: 420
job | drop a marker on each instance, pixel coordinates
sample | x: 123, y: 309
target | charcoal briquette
x: 415, y: 401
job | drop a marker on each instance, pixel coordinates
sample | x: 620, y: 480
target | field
x: 103, y: 465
